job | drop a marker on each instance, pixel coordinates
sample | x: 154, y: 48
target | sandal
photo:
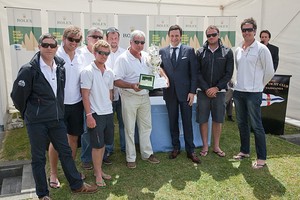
x: 220, y: 153
x: 258, y: 166
x: 106, y: 176
x: 203, y: 153
x: 54, y: 184
x: 101, y: 184
x: 241, y: 156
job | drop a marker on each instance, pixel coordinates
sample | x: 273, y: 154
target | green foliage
x: 15, y: 145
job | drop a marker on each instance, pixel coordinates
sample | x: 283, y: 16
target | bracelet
x: 88, y: 114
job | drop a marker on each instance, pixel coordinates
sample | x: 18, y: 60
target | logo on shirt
x: 21, y: 83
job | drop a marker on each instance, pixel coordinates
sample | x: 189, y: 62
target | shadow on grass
x: 264, y: 184
x: 143, y: 182
x: 147, y: 179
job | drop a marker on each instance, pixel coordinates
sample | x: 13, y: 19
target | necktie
x: 173, y: 57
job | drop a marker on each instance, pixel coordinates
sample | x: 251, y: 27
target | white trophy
x: 154, y: 61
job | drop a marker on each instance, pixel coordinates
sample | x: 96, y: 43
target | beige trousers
x: 136, y: 109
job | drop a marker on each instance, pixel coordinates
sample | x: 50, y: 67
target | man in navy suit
x: 180, y: 65
x: 265, y: 37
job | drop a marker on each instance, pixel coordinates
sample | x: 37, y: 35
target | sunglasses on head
x: 103, y: 53
x: 74, y: 40
x: 51, y: 45
x: 247, y: 29
x: 96, y: 37
x: 138, y: 42
x: 211, y: 35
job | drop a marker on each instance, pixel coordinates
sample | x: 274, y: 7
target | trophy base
x: 159, y: 82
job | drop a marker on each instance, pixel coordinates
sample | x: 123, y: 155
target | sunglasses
x: 247, y: 29
x: 103, y: 53
x: 51, y: 45
x: 74, y: 40
x: 138, y: 42
x: 211, y: 35
x: 96, y: 37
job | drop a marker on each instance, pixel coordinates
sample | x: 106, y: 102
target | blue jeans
x: 248, y: 114
x: 118, y: 110
x: 86, y: 149
x: 39, y: 135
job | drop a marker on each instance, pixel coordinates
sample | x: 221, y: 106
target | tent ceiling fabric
x: 202, y: 3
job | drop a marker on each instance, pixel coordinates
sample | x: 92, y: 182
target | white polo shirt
x: 111, y: 60
x: 86, y: 56
x: 73, y: 70
x: 50, y: 74
x: 99, y: 85
x: 128, y: 68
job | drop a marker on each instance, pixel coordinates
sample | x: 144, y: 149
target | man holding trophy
x: 133, y: 75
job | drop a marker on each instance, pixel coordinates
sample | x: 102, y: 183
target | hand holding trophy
x: 154, y: 61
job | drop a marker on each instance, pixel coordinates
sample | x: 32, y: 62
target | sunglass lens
x: 73, y: 39
x: 138, y: 42
x: 46, y: 45
x: 103, y: 53
x: 247, y: 29
x: 211, y: 35
x: 97, y: 37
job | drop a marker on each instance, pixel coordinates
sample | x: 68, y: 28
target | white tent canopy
x: 281, y: 18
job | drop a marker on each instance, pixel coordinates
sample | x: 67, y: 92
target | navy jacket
x: 216, y: 68
x: 274, y: 52
x: 33, y: 96
x: 183, y: 76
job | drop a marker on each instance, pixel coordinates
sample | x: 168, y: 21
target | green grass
x: 215, y: 178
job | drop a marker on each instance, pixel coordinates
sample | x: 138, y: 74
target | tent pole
x: 262, y: 16
x: 90, y: 9
x: 158, y: 7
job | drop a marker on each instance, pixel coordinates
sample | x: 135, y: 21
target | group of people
x: 68, y: 93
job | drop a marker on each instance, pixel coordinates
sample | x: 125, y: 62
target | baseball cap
x: 112, y: 30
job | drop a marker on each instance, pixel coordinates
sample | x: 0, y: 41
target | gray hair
x: 137, y: 33
x: 94, y: 30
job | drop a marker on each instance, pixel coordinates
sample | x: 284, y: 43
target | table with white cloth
x: 160, y: 135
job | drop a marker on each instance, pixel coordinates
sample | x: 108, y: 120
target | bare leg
x: 72, y: 139
x: 53, y: 159
x: 204, y: 133
x: 217, y: 129
x: 97, y: 155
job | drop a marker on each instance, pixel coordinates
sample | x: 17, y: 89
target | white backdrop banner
x: 102, y: 21
x: 58, y: 21
x: 158, y: 29
x: 227, y: 27
x: 192, y: 28
x: 24, y: 27
x: 129, y: 23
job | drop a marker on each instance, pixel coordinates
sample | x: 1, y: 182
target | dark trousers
x: 248, y: 114
x: 173, y: 107
x: 39, y: 135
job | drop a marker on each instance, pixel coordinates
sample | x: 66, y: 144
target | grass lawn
x: 215, y: 178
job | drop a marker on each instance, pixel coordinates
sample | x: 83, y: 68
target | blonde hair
x: 101, y: 43
x: 72, y: 30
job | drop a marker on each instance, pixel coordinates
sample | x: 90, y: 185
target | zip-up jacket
x: 33, y: 96
x: 216, y: 68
